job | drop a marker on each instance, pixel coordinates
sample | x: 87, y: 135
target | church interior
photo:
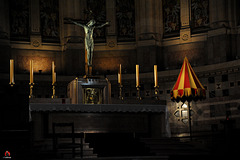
x: 124, y: 100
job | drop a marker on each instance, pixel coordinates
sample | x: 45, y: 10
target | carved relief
x: 49, y: 17
x: 19, y: 19
x: 200, y: 12
x: 171, y: 15
x: 125, y: 12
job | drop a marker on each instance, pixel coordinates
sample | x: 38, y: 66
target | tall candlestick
x: 55, y: 77
x: 53, y: 73
x: 137, y: 76
x: 11, y: 72
x: 156, y: 82
x: 155, y: 76
x: 31, y: 71
x: 120, y: 75
x: 120, y: 82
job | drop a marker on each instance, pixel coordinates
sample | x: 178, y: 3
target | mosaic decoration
x: 200, y: 13
x: 96, y: 9
x: 49, y: 18
x: 125, y: 12
x: 19, y: 19
x: 171, y: 15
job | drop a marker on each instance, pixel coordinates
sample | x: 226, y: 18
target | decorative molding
x: 217, y: 32
x: 36, y: 43
x: 185, y: 35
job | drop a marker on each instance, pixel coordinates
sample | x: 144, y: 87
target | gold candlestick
x: 138, y: 83
x: 155, y: 76
x: 54, y: 85
x: 31, y: 71
x: 120, y: 92
x: 54, y: 76
x: 137, y: 76
x: 54, y: 92
x: 156, y: 87
x: 120, y: 82
x: 120, y: 75
x: 11, y: 73
x: 53, y: 73
x: 31, y: 90
x: 138, y: 93
x: 31, y: 84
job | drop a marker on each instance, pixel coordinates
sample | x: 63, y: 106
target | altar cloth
x: 97, y: 108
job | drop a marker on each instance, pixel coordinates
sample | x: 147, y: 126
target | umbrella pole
x: 189, y: 120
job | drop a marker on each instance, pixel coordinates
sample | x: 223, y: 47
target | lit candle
x: 137, y: 75
x: 11, y: 71
x: 155, y: 76
x: 31, y: 71
x: 120, y: 75
x: 53, y: 73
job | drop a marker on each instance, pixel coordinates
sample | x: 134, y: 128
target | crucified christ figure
x: 89, y: 43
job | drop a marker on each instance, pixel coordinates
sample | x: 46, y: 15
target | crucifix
x: 89, y: 42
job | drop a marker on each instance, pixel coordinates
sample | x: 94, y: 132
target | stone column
x: 147, y: 33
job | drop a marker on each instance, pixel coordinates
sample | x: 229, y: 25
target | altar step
x: 44, y: 148
x: 173, y: 147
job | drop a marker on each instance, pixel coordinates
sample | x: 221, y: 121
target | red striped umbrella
x: 187, y: 87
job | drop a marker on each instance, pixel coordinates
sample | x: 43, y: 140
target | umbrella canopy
x: 187, y: 87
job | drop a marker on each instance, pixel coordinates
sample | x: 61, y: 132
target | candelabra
x: 31, y: 90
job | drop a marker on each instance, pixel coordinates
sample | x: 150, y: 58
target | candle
x: 11, y: 71
x: 137, y: 75
x: 55, y: 77
x: 53, y: 73
x: 155, y: 76
x: 31, y: 71
x: 120, y: 75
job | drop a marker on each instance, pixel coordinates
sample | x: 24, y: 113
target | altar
x: 150, y: 120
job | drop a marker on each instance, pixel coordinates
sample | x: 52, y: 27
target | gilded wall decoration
x: 200, y: 13
x: 125, y: 12
x: 49, y: 18
x: 96, y: 9
x: 171, y: 15
x: 19, y: 19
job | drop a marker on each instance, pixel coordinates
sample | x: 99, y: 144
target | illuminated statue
x: 89, y: 43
